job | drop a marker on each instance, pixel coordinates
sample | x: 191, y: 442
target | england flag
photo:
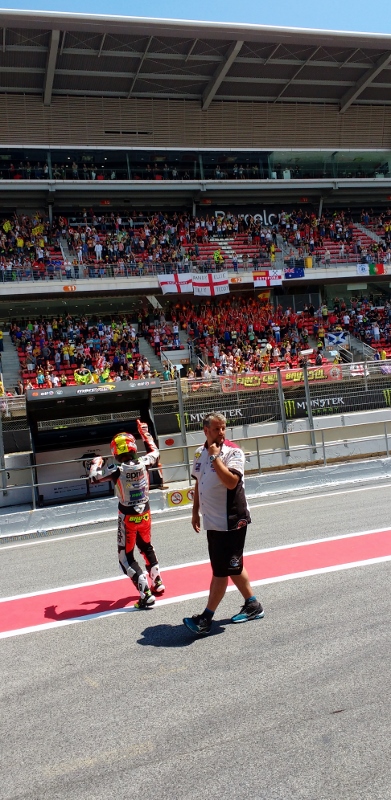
x: 359, y: 370
x: 210, y: 284
x: 174, y: 284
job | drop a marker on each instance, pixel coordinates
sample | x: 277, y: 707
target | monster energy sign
x: 251, y: 408
x: 234, y: 416
x: 297, y: 407
x: 171, y: 423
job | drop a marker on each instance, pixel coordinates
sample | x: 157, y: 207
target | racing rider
x: 129, y: 474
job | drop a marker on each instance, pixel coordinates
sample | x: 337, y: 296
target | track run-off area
x: 99, y: 700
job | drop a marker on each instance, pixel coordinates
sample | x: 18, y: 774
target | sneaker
x: 158, y: 587
x: 145, y: 602
x: 252, y: 610
x: 198, y: 624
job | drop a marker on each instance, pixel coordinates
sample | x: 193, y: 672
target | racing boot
x: 158, y: 586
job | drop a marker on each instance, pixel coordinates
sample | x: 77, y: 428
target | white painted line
x: 319, y: 496
x: 62, y: 589
x: 196, y: 595
x: 307, y: 543
x: 93, y: 583
x: 54, y: 539
x: 179, y: 519
x: 51, y: 539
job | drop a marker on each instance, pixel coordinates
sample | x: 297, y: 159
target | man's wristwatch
x: 213, y: 458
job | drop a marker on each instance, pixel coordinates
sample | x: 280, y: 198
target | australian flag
x: 294, y: 272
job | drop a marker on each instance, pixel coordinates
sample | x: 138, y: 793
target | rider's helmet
x: 123, y: 444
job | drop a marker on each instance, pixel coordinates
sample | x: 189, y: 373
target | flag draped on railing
x: 267, y: 277
x: 370, y: 269
x: 210, y: 284
x: 176, y: 283
x: 294, y: 272
x: 338, y: 338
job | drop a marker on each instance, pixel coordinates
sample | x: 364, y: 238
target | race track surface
x: 99, y: 701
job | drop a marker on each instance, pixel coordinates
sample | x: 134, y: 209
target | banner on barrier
x: 289, y: 377
x: 211, y: 283
x: 267, y: 277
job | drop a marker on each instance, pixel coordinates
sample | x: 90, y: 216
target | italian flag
x: 376, y: 269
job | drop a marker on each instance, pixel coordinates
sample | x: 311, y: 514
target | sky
x: 347, y: 15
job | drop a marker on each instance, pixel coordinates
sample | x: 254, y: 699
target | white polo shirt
x: 222, y: 509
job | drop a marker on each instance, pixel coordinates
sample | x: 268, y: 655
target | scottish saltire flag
x: 294, y: 272
x: 362, y: 269
x: 336, y: 338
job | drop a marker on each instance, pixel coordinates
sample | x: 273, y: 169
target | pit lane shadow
x: 177, y: 635
x: 91, y: 607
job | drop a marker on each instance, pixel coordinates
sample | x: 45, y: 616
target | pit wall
x: 338, y: 432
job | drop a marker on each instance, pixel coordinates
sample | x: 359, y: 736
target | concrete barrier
x: 25, y: 524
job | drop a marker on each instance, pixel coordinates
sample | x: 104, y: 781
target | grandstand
x: 134, y: 147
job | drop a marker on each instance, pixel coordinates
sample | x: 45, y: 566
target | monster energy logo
x: 231, y: 414
x: 290, y: 408
x: 319, y: 405
x: 387, y: 396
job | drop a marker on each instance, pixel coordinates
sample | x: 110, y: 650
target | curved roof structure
x: 57, y: 54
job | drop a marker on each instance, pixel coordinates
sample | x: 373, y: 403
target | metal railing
x: 144, y: 269
x: 10, y: 405
x: 376, y: 371
x: 367, y: 351
x: 75, y: 272
x: 316, y: 447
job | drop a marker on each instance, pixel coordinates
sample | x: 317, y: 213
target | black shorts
x: 226, y: 551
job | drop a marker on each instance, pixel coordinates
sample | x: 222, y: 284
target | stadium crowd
x: 227, y: 336
x: 179, y: 239
x: 62, y: 351
x: 29, y: 247
x: 161, y: 239
x: 134, y: 244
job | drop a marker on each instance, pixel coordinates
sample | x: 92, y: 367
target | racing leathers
x: 131, y: 482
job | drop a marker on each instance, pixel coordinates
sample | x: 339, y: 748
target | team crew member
x: 219, y: 495
x: 130, y: 477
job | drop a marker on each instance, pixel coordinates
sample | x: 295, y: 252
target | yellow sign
x: 180, y: 498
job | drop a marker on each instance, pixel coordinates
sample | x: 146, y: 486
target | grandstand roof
x: 52, y: 54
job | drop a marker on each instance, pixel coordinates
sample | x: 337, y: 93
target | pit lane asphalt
x: 292, y: 707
